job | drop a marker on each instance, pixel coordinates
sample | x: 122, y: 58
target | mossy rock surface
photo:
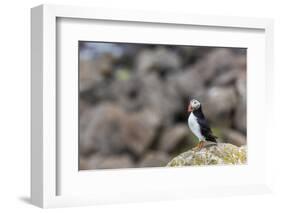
x: 220, y: 154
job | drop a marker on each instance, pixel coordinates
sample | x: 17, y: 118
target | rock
x: 161, y: 97
x: 218, y: 61
x: 98, y: 161
x: 192, y: 54
x: 187, y: 83
x: 103, y: 132
x: 220, y: 102
x: 172, y: 137
x: 234, y: 137
x: 87, y: 76
x: 241, y: 60
x: 220, y: 154
x: 104, y: 64
x: 110, y: 130
x: 83, y: 163
x: 226, y: 78
x: 92, y: 72
x: 154, y: 159
x: 148, y: 92
x: 240, y: 118
x: 128, y: 94
x: 139, y: 131
x: 84, y: 120
x: 160, y: 60
x: 241, y: 84
x: 84, y: 106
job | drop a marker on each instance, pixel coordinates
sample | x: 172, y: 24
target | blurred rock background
x: 134, y: 98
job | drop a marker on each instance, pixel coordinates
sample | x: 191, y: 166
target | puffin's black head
x: 193, y: 105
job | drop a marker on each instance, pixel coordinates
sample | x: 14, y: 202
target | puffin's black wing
x: 206, y: 130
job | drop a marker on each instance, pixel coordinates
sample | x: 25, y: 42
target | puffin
x: 198, y: 124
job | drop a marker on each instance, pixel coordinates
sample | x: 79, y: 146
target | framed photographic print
x: 130, y: 106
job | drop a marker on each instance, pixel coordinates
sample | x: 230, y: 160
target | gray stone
x: 162, y: 98
x: 187, y: 83
x: 128, y: 94
x: 83, y: 163
x: 221, y: 154
x: 139, y: 131
x: 234, y: 137
x: 103, y: 132
x: 110, y: 130
x: 98, y: 161
x: 217, y: 61
x: 172, y: 137
x: 92, y: 72
x: 149, y: 92
x: 160, y: 60
x: 240, y: 118
x: 219, y: 104
x: 226, y: 78
x: 154, y: 159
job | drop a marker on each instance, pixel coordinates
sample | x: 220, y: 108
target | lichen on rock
x: 220, y: 154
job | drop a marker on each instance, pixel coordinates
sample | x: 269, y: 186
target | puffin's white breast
x: 194, y: 126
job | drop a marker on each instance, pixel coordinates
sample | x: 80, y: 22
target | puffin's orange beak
x: 189, y: 108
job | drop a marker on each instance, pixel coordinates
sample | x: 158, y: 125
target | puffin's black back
x: 204, y: 125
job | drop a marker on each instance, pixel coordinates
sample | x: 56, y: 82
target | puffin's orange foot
x: 201, y: 145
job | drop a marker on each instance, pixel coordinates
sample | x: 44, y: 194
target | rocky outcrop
x: 221, y: 102
x: 173, y: 137
x: 194, y: 79
x: 160, y: 60
x: 111, y: 130
x: 220, y: 154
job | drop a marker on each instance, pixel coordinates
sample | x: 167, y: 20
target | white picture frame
x: 47, y: 165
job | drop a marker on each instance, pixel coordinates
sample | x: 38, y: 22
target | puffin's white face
x: 193, y: 105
